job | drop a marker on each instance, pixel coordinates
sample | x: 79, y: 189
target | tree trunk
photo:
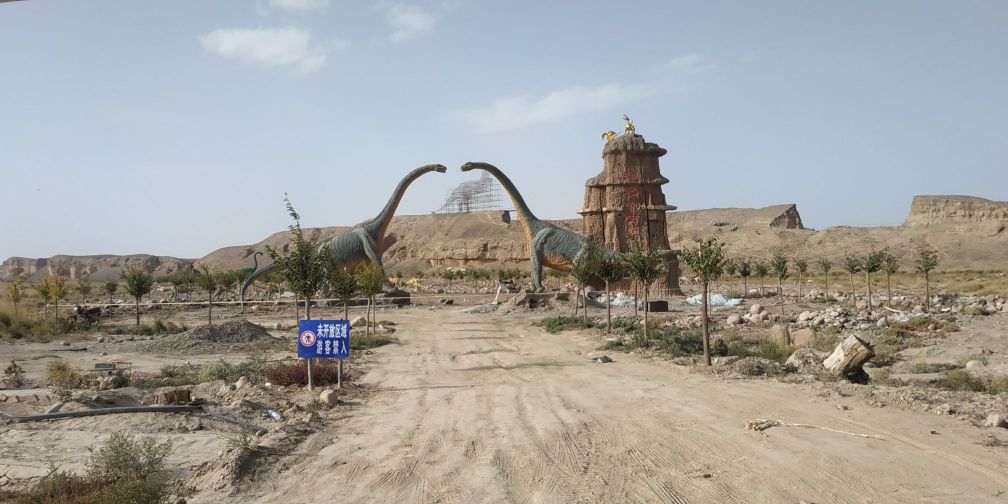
x: 646, y: 338
x: 927, y: 294
x: 799, y: 285
x: 827, y: 287
x: 704, y: 316
x: 137, y: 311
x: 577, y: 298
x: 868, y: 283
x: 780, y: 295
x: 888, y: 288
x: 849, y: 356
x: 346, y: 311
x: 636, y: 296
x: 209, y: 308
x: 745, y: 287
x: 307, y: 308
x: 761, y: 286
x: 852, y: 292
x: 608, y: 308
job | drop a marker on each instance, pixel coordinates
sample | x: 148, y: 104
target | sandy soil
x: 478, y: 408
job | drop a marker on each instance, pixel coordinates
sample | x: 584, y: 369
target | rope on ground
x: 760, y: 424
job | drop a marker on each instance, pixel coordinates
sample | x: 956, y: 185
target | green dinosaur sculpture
x: 246, y: 272
x: 549, y: 245
x: 365, y: 241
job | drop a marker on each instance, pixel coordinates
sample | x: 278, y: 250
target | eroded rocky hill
x: 968, y: 232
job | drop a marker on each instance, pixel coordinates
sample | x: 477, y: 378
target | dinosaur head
x: 473, y: 165
x: 440, y: 168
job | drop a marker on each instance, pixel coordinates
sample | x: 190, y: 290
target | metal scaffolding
x: 474, y: 196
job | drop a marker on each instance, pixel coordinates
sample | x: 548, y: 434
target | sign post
x: 324, y: 339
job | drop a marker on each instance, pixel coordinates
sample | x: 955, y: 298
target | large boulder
x: 807, y: 360
x: 779, y: 334
x: 802, y: 337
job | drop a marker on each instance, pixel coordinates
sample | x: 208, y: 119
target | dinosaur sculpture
x: 246, y: 272
x: 549, y: 245
x: 629, y: 129
x: 609, y: 135
x: 365, y: 241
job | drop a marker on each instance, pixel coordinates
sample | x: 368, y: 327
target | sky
x: 175, y: 127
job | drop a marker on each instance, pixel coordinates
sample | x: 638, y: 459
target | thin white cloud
x: 518, y: 112
x: 409, y: 22
x: 299, y: 5
x: 270, y: 47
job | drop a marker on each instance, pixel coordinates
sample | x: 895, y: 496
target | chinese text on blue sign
x: 324, y: 339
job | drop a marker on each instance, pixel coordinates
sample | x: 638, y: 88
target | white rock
x: 755, y: 309
x: 995, y: 420
x: 328, y: 397
x: 242, y: 382
x: 881, y: 323
x: 975, y: 365
x: 734, y: 319
x: 358, y: 322
x: 805, y: 316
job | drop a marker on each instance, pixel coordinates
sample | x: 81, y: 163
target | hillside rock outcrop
x: 967, y: 212
x: 95, y: 267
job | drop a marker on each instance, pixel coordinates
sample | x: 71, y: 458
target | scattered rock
x: 242, y: 382
x: 447, y: 302
x: 802, y: 337
x: 328, y: 397
x: 602, y: 359
x: 358, y: 322
x: 734, y: 319
x: 756, y: 309
x: 64, y: 343
x: 101, y: 339
x: 995, y: 420
x: 975, y: 366
x: 805, y: 316
x: 806, y: 360
x: 881, y: 323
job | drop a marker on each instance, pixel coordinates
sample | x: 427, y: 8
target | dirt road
x: 471, y: 408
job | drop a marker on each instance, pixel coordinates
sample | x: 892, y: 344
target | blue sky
x: 175, y: 127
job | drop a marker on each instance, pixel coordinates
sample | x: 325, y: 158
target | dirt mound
x: 211, y: 339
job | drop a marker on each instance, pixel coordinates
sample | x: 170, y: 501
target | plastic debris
x: 714, y: 299
x: 274, y: 415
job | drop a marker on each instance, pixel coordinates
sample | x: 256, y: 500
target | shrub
x: 371, y: 341
x: 560, y: 323
x: 324, y: 372
x: 773, y: 351
x: 825, y: 340
x: 252, y: 368
x: 60, y: 373
x: 14, y: 375
x: 960, y: 379
x: 998, y: 385
x: 124, y: 470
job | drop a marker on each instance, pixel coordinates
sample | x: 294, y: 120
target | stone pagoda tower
x: 625, y: 206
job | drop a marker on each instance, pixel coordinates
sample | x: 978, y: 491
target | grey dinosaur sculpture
x: 549, y: 245
x: 365, y: 241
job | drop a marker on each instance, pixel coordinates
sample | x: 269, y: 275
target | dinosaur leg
x: 371, y: 250
x: 537, y: 254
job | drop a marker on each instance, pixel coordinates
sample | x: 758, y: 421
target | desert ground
x: 474, y: 402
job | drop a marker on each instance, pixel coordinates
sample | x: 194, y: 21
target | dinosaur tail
x: 251, y: 278
x: 383, y: 218
x: 523, y: 210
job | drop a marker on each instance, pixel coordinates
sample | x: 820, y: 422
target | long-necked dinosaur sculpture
x: 549, y: 245
x: 365, y: 241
